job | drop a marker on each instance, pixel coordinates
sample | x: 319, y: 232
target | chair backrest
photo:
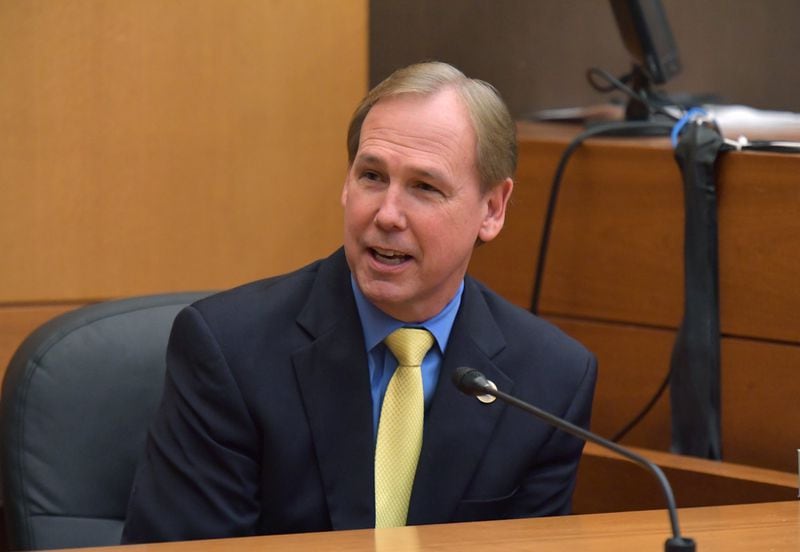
x: 77, y: 399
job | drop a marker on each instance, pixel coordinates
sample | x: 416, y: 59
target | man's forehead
x: 446, y: 102
x: 430, y: 122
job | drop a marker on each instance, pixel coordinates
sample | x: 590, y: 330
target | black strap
x: 695, y: 363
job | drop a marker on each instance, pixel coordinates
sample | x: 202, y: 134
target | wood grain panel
x: 694, y: 482
x: 760, y: 386
x: 761, y: 403
x: 735, y: 528
x: 508, y: 263
x: 17, y: 322
x: 632, y: 363
x: 759, y: 235
x: 614, y: 279
x: 151, y: 146
x: 616, y: 250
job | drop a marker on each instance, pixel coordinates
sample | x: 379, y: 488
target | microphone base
x: 679, y: 544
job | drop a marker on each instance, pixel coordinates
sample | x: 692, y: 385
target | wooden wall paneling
x: 150, y: 146
x: 614, y: 280
x: 632, y: 363
x: 616, y: 250
x: 17, y: 322
x: 760, y: 387
x: 509, y: 261
x: 608, y: 260
x: 760, y: 406
x: 598, y: 222
x: 694, y: 482
x: 759, y: 233
x: 153, y: 146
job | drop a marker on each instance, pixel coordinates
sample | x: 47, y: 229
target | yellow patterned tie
x: 400, y: 427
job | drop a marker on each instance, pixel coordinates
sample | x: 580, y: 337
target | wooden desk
x: 614, y: 280
x: 773, y: 526
x: 694, y: 482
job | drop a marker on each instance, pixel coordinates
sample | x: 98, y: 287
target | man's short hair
x: 495, y: 129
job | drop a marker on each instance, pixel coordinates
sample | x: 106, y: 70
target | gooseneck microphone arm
x: 472, y: 382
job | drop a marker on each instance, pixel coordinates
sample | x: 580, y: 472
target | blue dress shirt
x: 376, y: 325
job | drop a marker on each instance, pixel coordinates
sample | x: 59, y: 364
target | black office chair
x: 77, y: 399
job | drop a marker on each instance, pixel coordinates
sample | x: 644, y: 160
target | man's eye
x: 425, y: 187
x: 370, y: 175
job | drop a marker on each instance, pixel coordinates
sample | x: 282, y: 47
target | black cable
x: 613, y: 82
x: 644, y: 411
x: 774, y: 146
x: 649, y: 102
x: 763, y: 145
x: 626, y: 128
x: 605, y: 89
x: 623, y: 128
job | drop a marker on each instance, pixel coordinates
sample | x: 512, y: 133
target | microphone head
x: 470, y: 381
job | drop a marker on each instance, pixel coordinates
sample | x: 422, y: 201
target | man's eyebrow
x: 427, y: 174
x: 378, y: 161
x: 369, y: 158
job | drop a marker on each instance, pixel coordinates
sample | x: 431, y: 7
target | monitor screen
x: 647, y: 36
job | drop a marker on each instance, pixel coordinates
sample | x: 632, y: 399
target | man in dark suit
x: 276, y: 392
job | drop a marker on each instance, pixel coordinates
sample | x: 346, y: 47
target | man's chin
x: 384, y: 297
x: 389, y: 298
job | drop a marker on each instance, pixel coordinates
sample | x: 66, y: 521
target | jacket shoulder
x: 528, y: 334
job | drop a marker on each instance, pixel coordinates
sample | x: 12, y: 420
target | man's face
x: 413, y: 208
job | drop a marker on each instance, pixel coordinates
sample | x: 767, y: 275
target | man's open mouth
x: 389, y: 256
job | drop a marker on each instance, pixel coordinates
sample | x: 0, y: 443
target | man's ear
x: 343, y: 198
x: 496, y: 202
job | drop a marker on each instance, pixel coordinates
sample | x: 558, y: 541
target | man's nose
x: 391, y: 210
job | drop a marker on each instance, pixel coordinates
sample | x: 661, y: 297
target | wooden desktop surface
x: 771, y: 526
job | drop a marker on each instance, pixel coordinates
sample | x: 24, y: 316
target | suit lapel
x: 457, y: 427
x: 334, y: 383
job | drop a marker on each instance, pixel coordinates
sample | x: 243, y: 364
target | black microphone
x: 471, y: 382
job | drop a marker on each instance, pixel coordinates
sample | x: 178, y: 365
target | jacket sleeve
x: 199, y: 476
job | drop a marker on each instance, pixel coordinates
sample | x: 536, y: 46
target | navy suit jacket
x: 265, y: 425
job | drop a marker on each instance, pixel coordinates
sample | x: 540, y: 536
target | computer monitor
x: 647, y: 36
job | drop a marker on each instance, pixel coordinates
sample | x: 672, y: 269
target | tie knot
x: 409, y: 345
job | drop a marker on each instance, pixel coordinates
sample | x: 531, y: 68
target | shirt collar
x: 376, y: 324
